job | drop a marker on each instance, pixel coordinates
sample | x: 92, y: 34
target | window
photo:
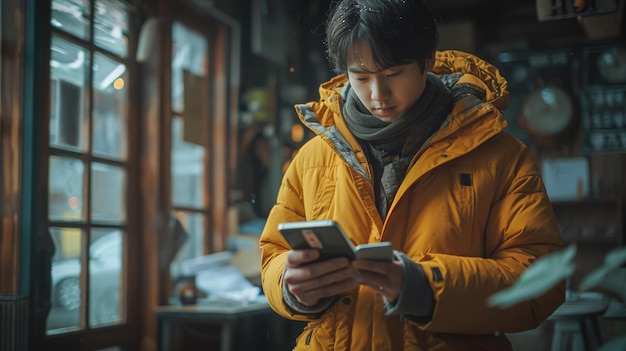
x: 203, y: 101
x: 88, y: 163
x: 110, y: 176
x: 190, y: 136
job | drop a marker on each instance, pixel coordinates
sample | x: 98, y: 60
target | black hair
x: 397, y: 31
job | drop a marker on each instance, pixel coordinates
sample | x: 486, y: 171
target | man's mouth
x: 383, y: 110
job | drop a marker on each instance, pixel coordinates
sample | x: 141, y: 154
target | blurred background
x: 140, y: 135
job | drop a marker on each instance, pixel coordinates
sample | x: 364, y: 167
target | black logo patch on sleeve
x: 437, y: 276
x: 465, y: 179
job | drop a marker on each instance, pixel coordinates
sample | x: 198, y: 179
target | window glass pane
x: 66, y: 287
x: 68, y: 121
x: 105, y: 277
x: 109, y: 108
x: 111, y: 26
x: 190, y: 123
x: 66, y: 196
x: 71, y: 16
x: 194, y: 225
x: 187, y: 169
x: 108, y: 187
x: 190, y: 55
x: 88, y: 85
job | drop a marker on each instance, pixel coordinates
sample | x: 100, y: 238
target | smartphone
x: 328, y: 237
x: 375, y: 251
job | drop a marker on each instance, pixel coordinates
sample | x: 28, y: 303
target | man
x: 409, y: 148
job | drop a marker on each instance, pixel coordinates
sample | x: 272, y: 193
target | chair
x: 576, y: 322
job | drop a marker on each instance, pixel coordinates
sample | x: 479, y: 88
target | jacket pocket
x: 462, y: 211
x: 321, y: 334
x: 304, y: 340
x: 324, y: 198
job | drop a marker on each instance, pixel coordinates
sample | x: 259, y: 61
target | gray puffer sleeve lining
x: 300, y: 308
x: 416, y: 300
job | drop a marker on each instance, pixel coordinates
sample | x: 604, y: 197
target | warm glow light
x: 118, y: 84
x: 297, y: 133
x: 292, y: 69
x: 73, y: 202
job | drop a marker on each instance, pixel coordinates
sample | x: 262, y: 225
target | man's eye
x: 394, y: 74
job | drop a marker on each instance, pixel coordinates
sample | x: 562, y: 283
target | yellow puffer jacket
x: 472, y: 238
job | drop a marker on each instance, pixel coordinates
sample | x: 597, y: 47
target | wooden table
x: 225, y: 315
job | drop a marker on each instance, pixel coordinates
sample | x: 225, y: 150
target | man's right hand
x: 311, y: 281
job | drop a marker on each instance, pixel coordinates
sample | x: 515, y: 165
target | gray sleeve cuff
x: 416, y: 299
x: 301, y: 308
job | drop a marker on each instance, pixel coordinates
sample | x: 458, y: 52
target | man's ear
x: 429, y: 64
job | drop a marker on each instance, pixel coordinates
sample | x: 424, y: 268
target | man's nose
x: 379, y: 90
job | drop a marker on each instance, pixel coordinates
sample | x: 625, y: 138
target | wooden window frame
x: 125, y: 334
x: 155, y: 149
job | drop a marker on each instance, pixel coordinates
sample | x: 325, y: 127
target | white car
x: 105, y: 264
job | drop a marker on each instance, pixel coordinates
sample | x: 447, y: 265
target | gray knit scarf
x: 427, y: 110
x: 390, y: 146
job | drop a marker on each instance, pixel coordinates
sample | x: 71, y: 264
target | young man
x: 409, y: 148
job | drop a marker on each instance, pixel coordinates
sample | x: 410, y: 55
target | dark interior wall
x: 301, y: 32
x: 496, y: 25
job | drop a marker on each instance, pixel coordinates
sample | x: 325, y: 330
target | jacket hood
x: 473, y: 73
x: 463, y: 73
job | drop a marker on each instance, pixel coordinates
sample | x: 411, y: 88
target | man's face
x: 389, y: 93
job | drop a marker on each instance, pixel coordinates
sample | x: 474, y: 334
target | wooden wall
x: 11, y: 119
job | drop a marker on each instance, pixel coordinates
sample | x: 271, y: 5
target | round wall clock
x: 546, y: 111
x: 612, y: 66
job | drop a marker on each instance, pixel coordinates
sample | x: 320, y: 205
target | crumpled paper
x: 545, y: 273
x: 226, y: 283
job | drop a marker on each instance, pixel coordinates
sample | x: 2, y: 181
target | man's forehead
x: 360, y: 58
